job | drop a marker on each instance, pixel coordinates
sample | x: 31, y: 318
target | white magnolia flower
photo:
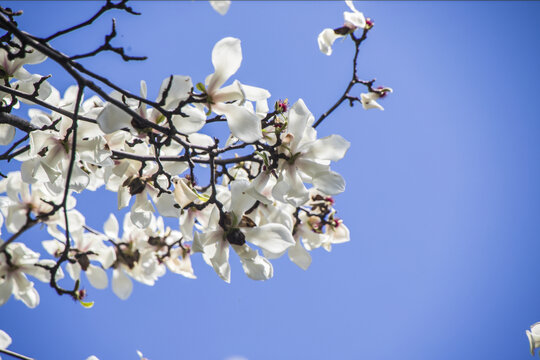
x: 353, y: 20
x: 89, y: 247
x: 214, y: 242
x: 13, y: 278
x: 221, y: 6
x: 369, y: 100
x: 534, y: 337
x: 308, y: 159
x: 134, y: 258
x: 226, y: 58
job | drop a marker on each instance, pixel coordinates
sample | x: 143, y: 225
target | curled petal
x: 326, y: 40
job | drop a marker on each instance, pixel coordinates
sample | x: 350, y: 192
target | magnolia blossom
x: 308, y: 159
x: 214, y: 243
x: 87, y: 247
x: 369, y: 100
x: 13, y: 280
x: 226, y: 58
x: 354, y: 19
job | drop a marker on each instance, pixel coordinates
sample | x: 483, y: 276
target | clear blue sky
x: 442, y: 199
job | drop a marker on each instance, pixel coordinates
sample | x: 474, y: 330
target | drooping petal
x: 274, y: 238
x: 97, y: 277
x: 226, y: 58
x: 30, y: 298
x: 300, y: 256
x: 255, y: 266
x: 121, y: 284
x: 220, y: 260
x: 141, y: 211
x: 326, y: 40
x: 6, y: 289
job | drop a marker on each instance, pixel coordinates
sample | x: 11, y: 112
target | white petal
x: 300, y: 256
x: 243, y: 124
x: 298, y: 119
x: 220, y: 261
x: 112, y: 119
x: 340, y: 234
x: 226, y: 58
x: 255, y: 266
x: 7, y: 133
x: 356, y: 19
x: 332, y: 148
x: 326, y: 40
x: 165, y: 205
x: 111, y: 227
x: 195, y: 120
x: 79, y: 179
x: 74, y: 270
x: 221, y: 6
x: 5, y: 339
x: 253, y: 93
x: 6, y: 289
x: 30, y: 298
x: 240, y: 200
x: 97, y: 277
x: 141, y: 211
x: 178, y: 91
x: 330, y: 183
x: 274, y: 238
x: 121, y: 284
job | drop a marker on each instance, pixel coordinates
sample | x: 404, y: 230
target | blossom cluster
x: 270, y: 189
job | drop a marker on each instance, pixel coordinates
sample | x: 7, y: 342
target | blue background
x: 442, y: 194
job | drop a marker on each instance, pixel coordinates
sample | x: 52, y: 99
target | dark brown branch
x: 108, y: 6
x: 14, y: 354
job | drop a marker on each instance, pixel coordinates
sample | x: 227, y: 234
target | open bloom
x: 308, y: 159
x: 214, y: 243
x: 12, y: 275
x: 228, y: 101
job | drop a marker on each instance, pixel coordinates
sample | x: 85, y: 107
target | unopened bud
x: 369, y: 23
